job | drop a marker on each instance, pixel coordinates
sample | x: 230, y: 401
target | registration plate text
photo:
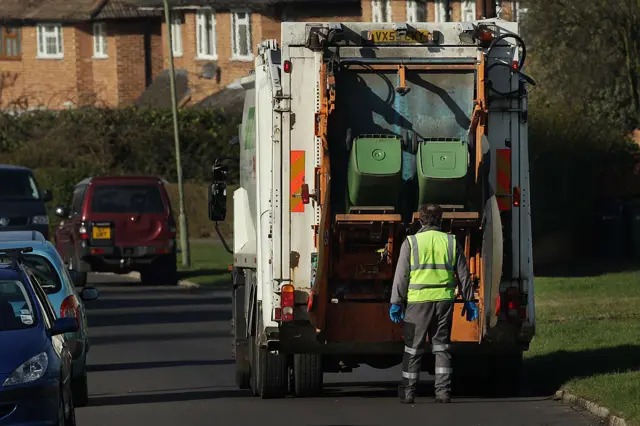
x: 393, y: 36
x: 101, y: 233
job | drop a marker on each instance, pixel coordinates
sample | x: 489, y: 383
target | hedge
x: 67, y: 146
x: 88, y: 142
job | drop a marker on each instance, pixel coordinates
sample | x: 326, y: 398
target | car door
x: 69, y: 227
x: 59, y: 342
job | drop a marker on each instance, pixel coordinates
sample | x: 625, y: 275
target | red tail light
x: 97, y: 251
x: 516, y: 196
x: 287, y: 67
x: 69, y: 309
x: 513, y: 305
x: 287, y: 302
x: 82, y: 230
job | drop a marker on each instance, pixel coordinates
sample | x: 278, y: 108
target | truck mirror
x: 220, y: 172
x: 218, y: 202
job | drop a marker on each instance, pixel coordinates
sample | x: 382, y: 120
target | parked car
x: 35, y: 361
x: 119, y: 224
x: 22, y: 203
x: 45, y: 266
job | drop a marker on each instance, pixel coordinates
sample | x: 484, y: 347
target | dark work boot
x: 407, y: 396
x: 443, y: 399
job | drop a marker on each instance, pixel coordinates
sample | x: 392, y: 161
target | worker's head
x: 431, y: 215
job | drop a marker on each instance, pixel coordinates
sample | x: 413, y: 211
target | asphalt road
x: 162, y: 356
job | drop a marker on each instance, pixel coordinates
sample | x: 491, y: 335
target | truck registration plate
x: 393, y: 36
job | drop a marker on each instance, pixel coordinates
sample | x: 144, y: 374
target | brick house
x: 57, y: 54
x: 214, y: 40
x: 115, y: 52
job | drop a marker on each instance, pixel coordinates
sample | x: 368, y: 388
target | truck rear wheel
x: 307, y: 375
x: 273, y: 373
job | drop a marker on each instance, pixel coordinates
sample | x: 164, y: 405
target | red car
x: 119, y: 224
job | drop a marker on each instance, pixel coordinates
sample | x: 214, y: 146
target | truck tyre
x: 243, y: 369
x: 274, y: 374
x: 307, y: 375
x: 240, y: 342
x: 254, y: 373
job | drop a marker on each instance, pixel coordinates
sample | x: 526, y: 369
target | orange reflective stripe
x: 297, y: 179
x: 503, y: 178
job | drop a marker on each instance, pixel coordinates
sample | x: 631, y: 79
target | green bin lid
x: 378, y: 156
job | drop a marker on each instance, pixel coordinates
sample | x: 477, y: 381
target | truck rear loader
x: 348, y: 128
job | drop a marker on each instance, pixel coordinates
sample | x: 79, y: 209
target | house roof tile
x: 68, y: 10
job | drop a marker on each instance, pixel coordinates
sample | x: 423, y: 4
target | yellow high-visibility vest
x: 432, y: 267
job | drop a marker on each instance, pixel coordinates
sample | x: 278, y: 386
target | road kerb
x: 181, y: 283
x: 595, y: 409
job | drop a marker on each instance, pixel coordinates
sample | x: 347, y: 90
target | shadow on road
x: 115, y: 339
x: 156, y: 364
x: 195, y: 273
x: 168, y: 317
x: 101, y: 401
x: 116, y: 303
x: 548, y: 373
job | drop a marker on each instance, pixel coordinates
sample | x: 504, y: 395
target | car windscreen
x: 18, y: 185
x: 44, y: 271
x: 16, y: 309
x: 127, y: 199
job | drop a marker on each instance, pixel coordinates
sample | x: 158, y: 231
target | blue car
x: 46, y: 267
x: 35, y: 361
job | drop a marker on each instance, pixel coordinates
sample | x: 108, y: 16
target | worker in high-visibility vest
x: 422, y: 295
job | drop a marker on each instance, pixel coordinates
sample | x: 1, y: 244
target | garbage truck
x: 347, y: 129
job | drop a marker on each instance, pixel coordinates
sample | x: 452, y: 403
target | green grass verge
x: 209, y: 264
x: 588, y: 339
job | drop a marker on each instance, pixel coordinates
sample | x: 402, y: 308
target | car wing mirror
x: 89, y: 293
x: 47, y: 196
x: 64, y: 325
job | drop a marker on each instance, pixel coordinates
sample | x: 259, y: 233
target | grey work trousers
x: 435, y: 320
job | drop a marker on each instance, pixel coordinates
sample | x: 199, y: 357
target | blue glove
x: 471, y: 310
x: 396, y: 313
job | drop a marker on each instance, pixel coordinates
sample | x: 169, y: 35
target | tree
x: 586, y: 55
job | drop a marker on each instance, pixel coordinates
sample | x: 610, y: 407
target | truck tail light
x: 514, y: 307
x: 287, y: 302
x: 69, y: 308
x: 516, y: 196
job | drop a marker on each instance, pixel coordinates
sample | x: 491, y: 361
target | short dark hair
x: 431, y: 215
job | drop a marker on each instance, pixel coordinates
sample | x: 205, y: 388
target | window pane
x: 16, y: 311
x: 243, y: 39
x: 127, y: 199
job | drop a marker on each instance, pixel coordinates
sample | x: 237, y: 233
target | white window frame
x: 177, y: 18
x: 440, y: 11
x: 468, y: 10
x: 100, y: 40
x: 235, y: 24
x: 376, y: 11
x: 412, y: 10
x: 43, y: 33
x: 201, y: 26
